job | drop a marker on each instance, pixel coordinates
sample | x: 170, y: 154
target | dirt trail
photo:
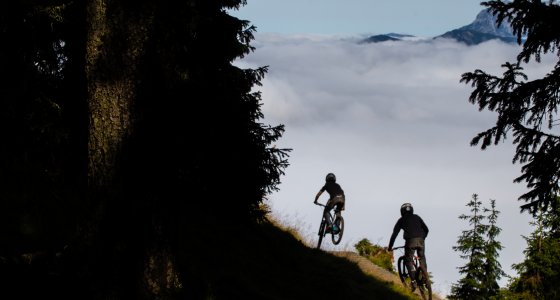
x: 369, y: 268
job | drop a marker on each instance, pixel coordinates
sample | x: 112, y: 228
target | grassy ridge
x: 265, y: 262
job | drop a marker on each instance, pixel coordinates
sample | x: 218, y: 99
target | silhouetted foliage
x: 526, y: 109
x: 539, y: 272
x: 471, y: 245
x: 479, y: 246
x: 42, y: 128
x: 492, y: 268
x: 125, y: 126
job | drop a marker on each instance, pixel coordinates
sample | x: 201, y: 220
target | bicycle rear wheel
x: 337, y: 236
x: 403, y: 273
x: 424, y: 284
x: 321, y: 233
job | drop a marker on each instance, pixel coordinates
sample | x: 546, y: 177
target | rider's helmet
x: 330, y: 178
x: 407, y: 209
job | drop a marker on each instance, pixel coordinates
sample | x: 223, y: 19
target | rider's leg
x: 326, y: 214
x: 414, y: 244
x: 337, y: 203
x: 421, y: 254
x: 408, y: 259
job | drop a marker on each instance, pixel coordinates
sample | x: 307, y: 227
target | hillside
x: 373, y: 270
x: 225, y: 260
x: 265, y: 262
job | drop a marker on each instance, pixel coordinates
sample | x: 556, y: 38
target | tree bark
x: 116, y: 36
x: 114, y: 49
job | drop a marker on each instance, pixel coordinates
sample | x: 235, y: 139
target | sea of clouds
x: 392, y: 120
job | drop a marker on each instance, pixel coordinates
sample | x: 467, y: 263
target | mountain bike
x: 338, y: 226
x: 422, y: 278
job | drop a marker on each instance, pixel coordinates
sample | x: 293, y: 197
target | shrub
x: 375, y: 253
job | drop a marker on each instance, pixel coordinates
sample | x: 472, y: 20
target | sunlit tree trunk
x: 115, y: 46
x: 113, y: 50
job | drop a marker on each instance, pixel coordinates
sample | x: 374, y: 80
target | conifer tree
x: 539, y: 273
x: 471, y: 244
x: 479, y: 245
x: 527, y: 109
x: 492, y: 267
x: 125, y: 128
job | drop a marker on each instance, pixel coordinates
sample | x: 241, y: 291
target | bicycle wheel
x: 337, y: 236
x: 424, y: 284
x: 321, y: 233
x: 403, y: 273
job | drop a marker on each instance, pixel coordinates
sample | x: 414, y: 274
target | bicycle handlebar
x: 399, y: 247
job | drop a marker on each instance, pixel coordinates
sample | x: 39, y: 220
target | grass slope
x: 265, y: 262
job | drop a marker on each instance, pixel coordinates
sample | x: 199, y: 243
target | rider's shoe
x: 413, y: 285
x: 329, y: 229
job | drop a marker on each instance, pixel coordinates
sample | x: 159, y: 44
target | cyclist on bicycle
x: 415, y: 231
x: 336, y: 198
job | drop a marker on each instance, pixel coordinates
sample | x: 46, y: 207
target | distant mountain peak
x: 387, y: 37
x: 482, y: 29
x: 380, y: 38
x: 485, y: 22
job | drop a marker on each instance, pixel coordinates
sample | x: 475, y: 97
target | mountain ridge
x: 481, y: 30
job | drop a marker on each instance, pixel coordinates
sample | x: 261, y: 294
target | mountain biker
x: 336, y: 198
x: 415, y: 232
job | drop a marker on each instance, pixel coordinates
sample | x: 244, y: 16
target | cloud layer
x: 393, y: 122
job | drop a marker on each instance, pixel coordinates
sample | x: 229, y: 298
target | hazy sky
x: 391, y: 120
x: 420, y: 18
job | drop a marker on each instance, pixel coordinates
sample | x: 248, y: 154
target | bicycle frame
x: 415, y: 258
x: 334, y: 218
x: 333, y: 213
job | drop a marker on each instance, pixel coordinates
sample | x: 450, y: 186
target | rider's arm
x: 318, y: 195
x: 396, y: 230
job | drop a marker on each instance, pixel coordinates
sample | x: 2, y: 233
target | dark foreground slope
x: 220, y: 260
x: 264, y: 262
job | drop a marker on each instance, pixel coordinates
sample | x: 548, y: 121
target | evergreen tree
x: 472, y: 245
x: 492, y: 267
x: 125, y: 126
x: 539, y: 273
x: 479, y: 245
x: 528, y: 109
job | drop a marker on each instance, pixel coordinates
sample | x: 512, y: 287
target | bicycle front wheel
x: 337, y: 235
x: 321, y: 233
x: 403, y: 273
x: 424, y: 284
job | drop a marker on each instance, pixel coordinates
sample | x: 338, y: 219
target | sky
x: 420, y: 18
x: 391, y: 120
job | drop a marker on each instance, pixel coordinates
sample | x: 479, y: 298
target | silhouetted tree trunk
x: 139, y: 105
x: 116, y: 36
x: 115, y: 40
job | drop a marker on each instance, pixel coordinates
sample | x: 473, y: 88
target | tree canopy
x: 539, y: 273
x: 527, y: 109
x: 124, y: 125
x: 480, y: 247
